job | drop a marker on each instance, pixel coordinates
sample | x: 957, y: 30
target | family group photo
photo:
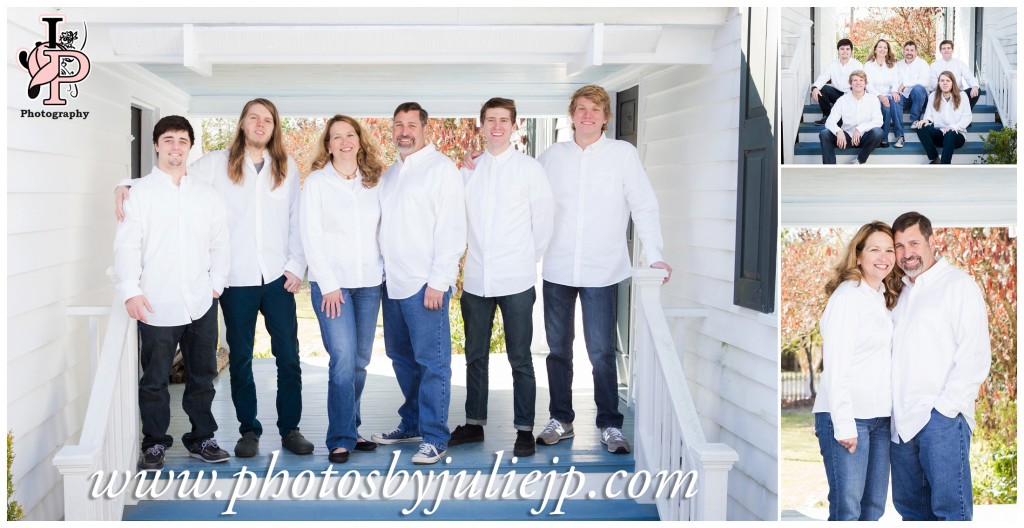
x: 474, y: 250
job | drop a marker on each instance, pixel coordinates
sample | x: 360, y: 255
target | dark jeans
x: 868, y: 141
x: 198, y: 342
x: 599, y: 334
x: 241, y: 304
x: 517, y: 315
x: 931, y: 474
x: 973, y: 100
x: 827, y: 98
x: 915, y: 102
x: 932, y: 137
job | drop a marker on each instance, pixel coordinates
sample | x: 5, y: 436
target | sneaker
x: 821, y: 121
x: 884, y: 144
x: 525, y: 446
x: 209, y: 451
x: 855, y: 162
x: 427, y: 454
x: 934, y: 161
x: 398, y: 436
x: 612, y: 437
x: 296, y: 443
x: 554, y: 432
x: 467, y: 434
x: 899, y: 142
x: 248, y: 445
x: 153, y: 458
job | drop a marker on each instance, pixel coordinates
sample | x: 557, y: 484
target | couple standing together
x: 905, y: 352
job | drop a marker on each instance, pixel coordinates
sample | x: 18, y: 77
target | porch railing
x: 1000, y: 77
x: 110, y: 440
x: 796, y: 80
x: 668, y: 432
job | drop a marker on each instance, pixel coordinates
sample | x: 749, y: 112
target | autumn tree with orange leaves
x: 896, y: 25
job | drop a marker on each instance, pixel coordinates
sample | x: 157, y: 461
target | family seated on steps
x: 865, y: 101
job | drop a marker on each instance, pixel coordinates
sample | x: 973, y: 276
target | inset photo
x: 899, y: 85
x: 898, y: 355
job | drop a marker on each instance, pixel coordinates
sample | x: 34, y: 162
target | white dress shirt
x: 510, y: 214
x: 917, y: 73
x: 947, y: 116
x: 173, y: 247
x: 423, y: 223
x: 961, y: 72
x: 839, y: 74
x: 596, y: 190
x: 940, y: 349
x: 863, y: 114
x: 264, y: 222
x: 339, y: 223
x: 882, y: 80
x: 856, y: 332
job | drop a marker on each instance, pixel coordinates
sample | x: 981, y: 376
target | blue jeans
x: 892, y: 116
x: 858, y: 482
x: 517, y: 316
x: 931, y: 474
x: 599, y: 334
x: 198, y: 341
x: 868, y: 141
x: 918, y: 98
x: 349, y: 341
x: 419, y: 343
x: 240, y: 305
x: 950, y: 141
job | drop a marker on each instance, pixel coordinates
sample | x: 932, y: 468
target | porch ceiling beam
x: 592, y: 56
x: 191, y: 58
x: 468, y: 106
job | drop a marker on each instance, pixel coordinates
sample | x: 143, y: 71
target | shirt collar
x: 167, y: 179
x: 595, y: 146
x: 866, y: 288
x: 931, y: 274
x: 421, y: 153
x: 504, y: 156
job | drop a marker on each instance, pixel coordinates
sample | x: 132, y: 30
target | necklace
x: 348, y: 176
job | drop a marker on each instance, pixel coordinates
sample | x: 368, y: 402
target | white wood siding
x: 1003, y: 21
x: 791, y: 18
x: 689, y: 144
x: 60, y: 230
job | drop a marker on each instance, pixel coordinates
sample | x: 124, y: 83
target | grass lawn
x: 802, y: 482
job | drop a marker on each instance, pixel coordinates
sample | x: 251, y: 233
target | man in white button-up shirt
x: 961, y: 71
x: 422, y: 238
x: 509, y: 211
x: 915, y: 80
x: 940, y: 357
x: 171, y: 257
x: 598, y: 184
x: 838, y: 71
x: 861, y: 115
x: 260, y: 185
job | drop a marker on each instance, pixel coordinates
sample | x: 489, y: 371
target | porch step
x: 911, y: 154
x: 809, y: 132
x: 379, y: 510
x: 983, y: 113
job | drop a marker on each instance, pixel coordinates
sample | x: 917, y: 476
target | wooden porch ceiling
x: 950, y: 196
x: 363, y: 61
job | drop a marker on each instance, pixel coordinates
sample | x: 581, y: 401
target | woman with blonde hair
x: 945, y: 120
x: 884, y: 83
x: 853, y: 405
x: 340, y: 215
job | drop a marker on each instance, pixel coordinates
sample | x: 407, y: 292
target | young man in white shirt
x: 422, y: 238
x: 861, y: 117
x: 940, y: 357
x: 598, y: 184
x: 260, y: 185
x: 509, y: 211
x: 962, y: 72
x: 915, y: 80
x: 171, y: 257
x: 838, y: 71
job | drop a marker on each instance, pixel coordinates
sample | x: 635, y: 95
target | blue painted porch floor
x: 381, y: 399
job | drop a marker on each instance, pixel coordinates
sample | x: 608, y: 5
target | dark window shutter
x: 757, y: 186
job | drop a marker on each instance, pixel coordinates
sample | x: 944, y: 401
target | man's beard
x: 914, y: 271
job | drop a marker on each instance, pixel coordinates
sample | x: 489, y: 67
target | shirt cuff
x: 295, y: 268
x: 128, y: 290
x: 328, y: 285
x: 439, y: 284
x: 846, y: 429
x: 218, y: 285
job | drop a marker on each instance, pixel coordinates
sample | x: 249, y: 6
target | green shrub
x: 1000, y: 147
x: 14, y: 512
x: 995, y: 473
